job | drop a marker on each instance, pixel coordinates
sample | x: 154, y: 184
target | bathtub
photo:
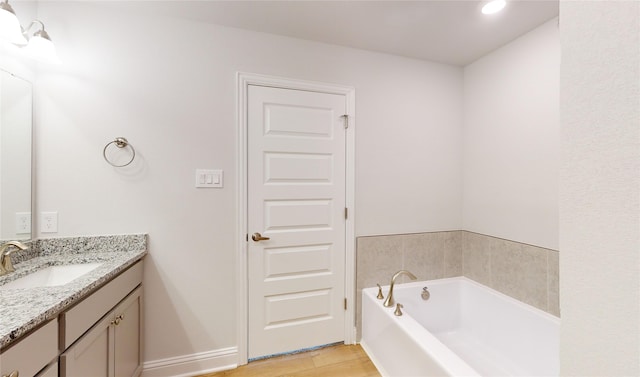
x: 464, y: 329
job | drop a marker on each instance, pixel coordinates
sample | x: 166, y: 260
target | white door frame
x: 243, y: 82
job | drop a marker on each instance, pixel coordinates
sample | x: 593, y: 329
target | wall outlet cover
x: 49, y: 222
x: 23, y: 222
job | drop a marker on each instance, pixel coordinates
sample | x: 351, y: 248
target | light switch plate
x: 208, y: 178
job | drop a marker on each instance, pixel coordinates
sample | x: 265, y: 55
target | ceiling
x: 448, y: 31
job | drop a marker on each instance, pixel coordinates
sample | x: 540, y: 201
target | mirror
x: 15, y: 157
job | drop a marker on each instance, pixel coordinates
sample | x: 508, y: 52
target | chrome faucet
x: 5, y: 256
x: 389, y: 301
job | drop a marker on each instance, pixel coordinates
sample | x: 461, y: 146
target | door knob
x: 258, y: 237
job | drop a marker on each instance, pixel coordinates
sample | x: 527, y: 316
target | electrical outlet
x: 23, y: 222
x: 49, y: 222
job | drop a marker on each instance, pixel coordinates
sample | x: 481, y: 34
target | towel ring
x: 119, y: 142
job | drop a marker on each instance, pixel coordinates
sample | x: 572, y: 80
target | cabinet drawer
x: 77, y: 320
x: 32, y: 353
x: 50, y: 371
x: 89, y: 356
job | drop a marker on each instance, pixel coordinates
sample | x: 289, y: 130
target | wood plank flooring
x: 340, y: 360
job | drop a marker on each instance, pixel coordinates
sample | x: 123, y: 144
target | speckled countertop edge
x: 22, y: 310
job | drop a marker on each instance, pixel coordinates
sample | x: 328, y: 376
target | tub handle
x: 380, y: 296
x: 425, y: 293
x: 398, y: 312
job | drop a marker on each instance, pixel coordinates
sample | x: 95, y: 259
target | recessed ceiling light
x: 494, y: 6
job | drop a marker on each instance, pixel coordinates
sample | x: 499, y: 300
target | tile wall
x: 524, y: 272
x: 428, y: 255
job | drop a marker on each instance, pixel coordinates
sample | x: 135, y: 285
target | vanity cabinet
x: 101, y: 335
x: 32, y: 353
x: 111, y: 347
x: 105, y: 342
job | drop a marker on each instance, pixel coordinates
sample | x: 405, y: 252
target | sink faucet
x: 5, y: 256
x: 389, y: 301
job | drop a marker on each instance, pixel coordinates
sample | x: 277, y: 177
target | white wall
x: 511, y: 124
x: 168, y: 85
x: 600, y: 188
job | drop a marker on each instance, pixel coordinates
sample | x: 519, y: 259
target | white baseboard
x: 192, y: 365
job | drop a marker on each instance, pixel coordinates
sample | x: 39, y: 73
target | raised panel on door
x: 128, y: 350
x: 300, y: 168
x: 297, y: 215
x: 296, y: 184
x: 282, y: 262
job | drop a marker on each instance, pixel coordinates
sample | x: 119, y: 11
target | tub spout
x: 389, y: 301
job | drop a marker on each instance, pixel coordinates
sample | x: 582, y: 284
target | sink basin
x: 51, y: 276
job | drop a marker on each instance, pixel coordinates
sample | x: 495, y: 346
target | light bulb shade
x: 41, y: 49
x: 10, y: 29
x: 494, y: 6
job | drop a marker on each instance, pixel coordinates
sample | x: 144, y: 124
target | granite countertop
x: 24, y: 309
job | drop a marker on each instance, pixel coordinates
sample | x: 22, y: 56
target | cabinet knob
x: 114, y: 322
x: 15, y: 373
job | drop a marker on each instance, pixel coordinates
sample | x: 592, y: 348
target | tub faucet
x: 389, y: 301
x: 5, y: 256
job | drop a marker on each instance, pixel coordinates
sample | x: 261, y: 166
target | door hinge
x: 346, y: 121
x: 346, y: 213
x: 345, y: 303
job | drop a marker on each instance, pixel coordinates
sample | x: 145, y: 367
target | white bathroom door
x: 296, y: 202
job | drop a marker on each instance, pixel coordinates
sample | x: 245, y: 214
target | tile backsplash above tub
x: 524, y: 272
x: 433, y: 255
x: 429, y: 256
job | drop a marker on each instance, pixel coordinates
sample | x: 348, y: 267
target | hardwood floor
x: 340, y: 360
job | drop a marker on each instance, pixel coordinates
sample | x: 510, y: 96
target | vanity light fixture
x: 494, y: 6
x: 10, y: 29
x: 40, y: 46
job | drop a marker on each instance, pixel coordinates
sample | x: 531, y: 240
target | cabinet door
x: 90, y: 355
x: 128, y: 347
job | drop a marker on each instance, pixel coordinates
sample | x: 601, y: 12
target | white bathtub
x: 464, y: 329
